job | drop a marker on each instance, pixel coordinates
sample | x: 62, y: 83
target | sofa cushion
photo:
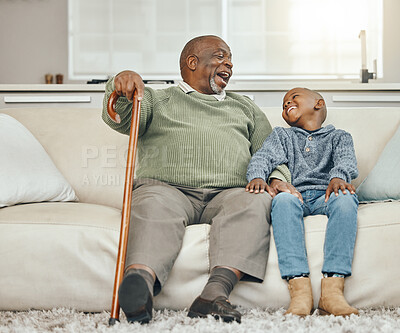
x: 371, y: 128
x: 58, y: 255
x: 190, y: 272
x: 383, y: 182
x: 89, y: 154
x: 27, y: 173
x: 68, y: 253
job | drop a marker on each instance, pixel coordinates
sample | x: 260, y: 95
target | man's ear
x: 191, y: 62
x: 320, y: 104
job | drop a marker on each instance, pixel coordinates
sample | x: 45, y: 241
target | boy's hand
x: 258, y: 185
x: 337, y: 184
x: 278, y: 186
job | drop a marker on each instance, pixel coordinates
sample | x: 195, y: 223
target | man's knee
x: 240, y: 196
x: 151, y: 200
x: 238, y: 201
x: 259, y: 201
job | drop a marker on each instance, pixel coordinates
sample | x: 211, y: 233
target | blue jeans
x: 288, y: 225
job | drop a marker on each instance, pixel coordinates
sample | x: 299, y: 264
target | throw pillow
x: 27, y: 174
x: 383, y: 182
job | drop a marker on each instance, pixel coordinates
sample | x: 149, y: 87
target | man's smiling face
x: 214, y: 66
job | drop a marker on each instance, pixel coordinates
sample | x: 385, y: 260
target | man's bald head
x: 192, y: 47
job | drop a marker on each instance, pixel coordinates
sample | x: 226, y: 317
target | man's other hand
x: 278, y: 186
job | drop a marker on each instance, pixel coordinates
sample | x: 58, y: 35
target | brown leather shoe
x: 218, y: 308
x: 135, y: 299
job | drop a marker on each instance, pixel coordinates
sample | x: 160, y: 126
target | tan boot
x: 301, y: 303
x: 332, y: 300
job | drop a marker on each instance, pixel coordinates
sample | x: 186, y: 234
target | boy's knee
x: 284, y: 198
x: 348, y: 200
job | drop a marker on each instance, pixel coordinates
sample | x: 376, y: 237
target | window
x: 270, y: 39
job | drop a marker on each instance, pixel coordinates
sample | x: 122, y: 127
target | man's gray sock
x: 220, y: 283
x: 145, y: 275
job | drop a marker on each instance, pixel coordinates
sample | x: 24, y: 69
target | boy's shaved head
x: 317, y: 95
x: 324, y: 111
x: 313, y: 92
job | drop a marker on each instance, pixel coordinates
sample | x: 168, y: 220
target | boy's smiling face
x: 302, y: 108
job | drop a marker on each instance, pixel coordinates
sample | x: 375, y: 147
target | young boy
x: 322, y: 163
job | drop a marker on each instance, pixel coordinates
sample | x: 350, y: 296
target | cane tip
x: 112, y: 321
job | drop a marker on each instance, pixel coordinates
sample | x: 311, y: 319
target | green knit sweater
x: 193, y: 139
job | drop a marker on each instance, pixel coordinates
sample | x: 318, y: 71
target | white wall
x: 34, y: 40
x: 391, y: 41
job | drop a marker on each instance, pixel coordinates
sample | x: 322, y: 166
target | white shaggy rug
x: 253, y: 320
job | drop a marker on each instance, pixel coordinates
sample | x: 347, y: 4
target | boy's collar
x: 313, y: 131
x: 327, y: 129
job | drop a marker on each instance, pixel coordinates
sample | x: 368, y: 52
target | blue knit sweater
x: 313, y: 158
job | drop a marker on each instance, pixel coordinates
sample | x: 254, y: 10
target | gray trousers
x: 239, y: 234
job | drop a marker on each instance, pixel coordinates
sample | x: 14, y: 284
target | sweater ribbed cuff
x: 338, y: 175
x: 276, y: 174
x: 253, y: 175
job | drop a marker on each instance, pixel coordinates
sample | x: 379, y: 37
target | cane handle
x: 111, y: 107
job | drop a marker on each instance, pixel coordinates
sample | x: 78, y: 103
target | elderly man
x: 195, y: 142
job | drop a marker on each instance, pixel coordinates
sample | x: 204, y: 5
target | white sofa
x: 63, y: 254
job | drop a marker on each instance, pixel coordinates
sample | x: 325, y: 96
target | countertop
x: 233, y: 86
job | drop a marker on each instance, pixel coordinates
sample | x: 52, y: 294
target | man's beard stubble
x: 214, y: 87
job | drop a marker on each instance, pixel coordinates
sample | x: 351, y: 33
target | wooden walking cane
x: 126, y: 208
